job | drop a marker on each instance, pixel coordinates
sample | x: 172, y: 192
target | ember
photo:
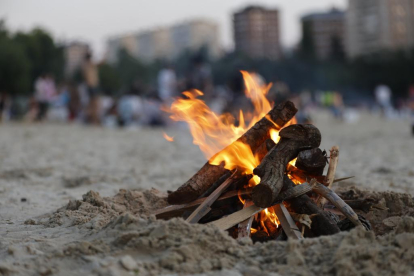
x: 260, y: 152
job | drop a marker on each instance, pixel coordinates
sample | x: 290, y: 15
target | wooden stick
x: 245, y: 226
x: 330, y: 175
x: 202, y: 209
x: 254, y: 137
x: 365, y: 205
x: 237, y: 217
x: 176, y: 210
x: 336, y: 201
x: 217, y: 184
x: 293, y: 192
x: 246, y: 213
x: 287, y: 222
x: 271, y: 170
x: 322, y: 224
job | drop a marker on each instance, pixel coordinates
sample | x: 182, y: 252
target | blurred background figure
x: 130, y: 106
x: 45, y: 91
x: 337, y: 105
x: 74, y: 104
x: 383, y: 97
x: 91, y: 79
x: 411, y: 107
x: 58, y: 111
x: 4, y: 106
x: 167, y: 84
x: 200, y: 77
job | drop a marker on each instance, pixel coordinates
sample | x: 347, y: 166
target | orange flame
x: 213, y: 132
x: 168, y: 138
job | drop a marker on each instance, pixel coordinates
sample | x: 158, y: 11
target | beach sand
x: 77, y: 200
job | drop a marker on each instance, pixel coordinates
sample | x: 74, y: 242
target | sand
x: 77, y: 200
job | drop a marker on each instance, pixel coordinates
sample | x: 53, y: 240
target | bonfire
x: 264, y: 176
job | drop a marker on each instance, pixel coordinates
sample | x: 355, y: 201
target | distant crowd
x: 84, y: 103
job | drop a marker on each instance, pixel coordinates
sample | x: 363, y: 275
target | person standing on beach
x: 45, y: 90
x: 383, y: 96
x: 167, y: 84
x: 91, y: 78
x: 411, y: 106
x: 3, y: 104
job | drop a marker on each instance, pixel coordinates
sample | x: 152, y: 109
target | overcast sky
x: 93, y: 21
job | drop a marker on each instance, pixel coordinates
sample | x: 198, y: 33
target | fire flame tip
x: 167, y: 137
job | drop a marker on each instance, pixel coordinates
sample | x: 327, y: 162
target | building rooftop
x: 332, y: 14
x: 255, y: 8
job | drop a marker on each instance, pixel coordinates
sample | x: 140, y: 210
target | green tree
x: 44, y: 55
x: 307, y: 47
x: 131, y: 69
x: 109, y: 79
x: 14, y: 65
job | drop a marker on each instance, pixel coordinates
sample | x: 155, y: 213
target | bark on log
x: 264, y: 149
x: 271, y: 170
x: 322, y: 224
x: 311, y: 161
x: 254, y: 137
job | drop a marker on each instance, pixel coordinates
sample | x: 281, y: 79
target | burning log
x: 271, y: 228
x: 271, y: 170
x: 322, y: 224
x: 254, y: 137
x: 245, y: 213
x: 216, y: 184
x: 204, y: 207
x: 260, y: 236
x: 264, y: 149
x: 311, y: 161
x: 302, y: 176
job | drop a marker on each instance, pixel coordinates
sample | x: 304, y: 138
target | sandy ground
x: 43, y: 167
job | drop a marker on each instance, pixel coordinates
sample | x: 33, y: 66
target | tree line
x: 26, y: 55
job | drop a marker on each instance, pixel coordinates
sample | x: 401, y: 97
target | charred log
x: 322, y: 223
x: 311, y: 161
x: 271, y: 170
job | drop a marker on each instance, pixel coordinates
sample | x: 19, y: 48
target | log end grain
x: 262, y: 196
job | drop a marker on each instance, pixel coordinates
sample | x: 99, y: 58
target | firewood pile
x: 292, y: 200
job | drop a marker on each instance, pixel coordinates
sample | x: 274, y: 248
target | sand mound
x: 117, y: 234
x: 395, y: 205
x: 94, y: 212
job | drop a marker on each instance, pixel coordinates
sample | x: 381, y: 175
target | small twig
x: 245, y: 226
x: 204, y: 207
x: 336, y: 201
x: 342, y: 179
x: 287, y: 222
x: 176, y: 210
x: 330, y: 175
